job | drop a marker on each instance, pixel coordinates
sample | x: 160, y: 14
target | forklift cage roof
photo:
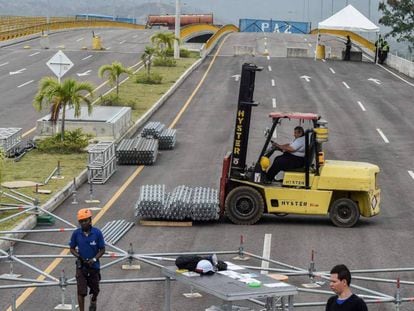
x: 294, y: 115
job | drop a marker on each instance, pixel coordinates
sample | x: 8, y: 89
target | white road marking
x: 80, y: 39
x: 274, y: 102
x: 331, y: 69
x: 394, y: 74
x: 307, y: 78
x: 236, y: 77
x: 273, y: 82
x: 268, y: 57
x: 411, y: 174
x: 266, y: 252
x: 4, y: 64
x: 346, y: 85
x: 310, y: 44
x: 17, y: 71
x: 89, y: 56
x: 122, y: 42
x: 86, y: 73
x: 375, y: 81
x: 34, y: 54
x: 134, y: 36
x: 362, y: 106
x: 323, y: 60
x: 383, y: 136
x: 108, y: 48
x: 270, y: 68
x: 306, y: 39
x: 26, y: 83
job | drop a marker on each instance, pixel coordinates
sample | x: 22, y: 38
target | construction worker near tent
x: 378, y: 45
x: 87, y: 245
x: 345, y: 300
x: 385, y: 48
x: 348, y: 46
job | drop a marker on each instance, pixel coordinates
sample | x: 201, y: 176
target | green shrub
x: 184, y: 53
x: 144, y: 78
x: 110, y: 100
x: 74, y: 142
x: 164, y: 62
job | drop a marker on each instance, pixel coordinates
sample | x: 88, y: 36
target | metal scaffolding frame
x: 118, y: 255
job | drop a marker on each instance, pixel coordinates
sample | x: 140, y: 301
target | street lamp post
x: 177, y: 30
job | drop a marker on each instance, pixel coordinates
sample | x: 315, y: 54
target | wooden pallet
x: 165, y: 223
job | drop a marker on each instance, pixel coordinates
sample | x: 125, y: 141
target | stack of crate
x: 101, y: 162
x: 10, y: 139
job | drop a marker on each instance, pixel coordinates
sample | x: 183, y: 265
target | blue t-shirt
x: 88, y: 246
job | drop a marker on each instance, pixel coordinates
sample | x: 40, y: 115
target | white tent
x: 349, y: 19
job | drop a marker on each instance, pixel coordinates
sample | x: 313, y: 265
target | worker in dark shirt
x: 87, y: 245
x: 344, y: 300
x: 348, y: 46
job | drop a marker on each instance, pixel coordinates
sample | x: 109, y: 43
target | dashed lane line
x: 346, y: 85
x: 273, y: 82
x: 274, y: 102
x: 26, y: 83
x: 383, y: 136
x: 269, y: 67
x: 411, y: 174
x: 362, y: 106
x: 331, y: 69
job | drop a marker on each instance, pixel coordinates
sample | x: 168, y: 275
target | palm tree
x: 146, y: 58
x: 163, y: 41
x: 57, y: 95
x: 113, y: 71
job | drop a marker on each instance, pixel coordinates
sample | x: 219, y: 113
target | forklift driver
x: 293, y: 155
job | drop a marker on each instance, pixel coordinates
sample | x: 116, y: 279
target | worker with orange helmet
x: 87, y: 245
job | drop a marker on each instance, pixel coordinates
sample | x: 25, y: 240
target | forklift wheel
x: 244, y: 205
x: 344, y: 213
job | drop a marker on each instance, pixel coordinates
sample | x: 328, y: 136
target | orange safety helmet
x: 84, y: 213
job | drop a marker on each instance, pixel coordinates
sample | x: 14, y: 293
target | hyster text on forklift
x: 343, y: 190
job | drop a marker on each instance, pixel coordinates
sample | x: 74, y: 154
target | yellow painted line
x: 187, y: 103
x: 22, y: 298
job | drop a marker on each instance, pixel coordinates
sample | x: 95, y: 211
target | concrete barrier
x: 297, y: 52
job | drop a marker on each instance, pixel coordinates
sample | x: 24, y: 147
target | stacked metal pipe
x: 183, y: 202
x: 205, y: 204
x: 152, y: 129
x: 179, y: 203
x: 167, y: 139
x: 151, y: 202
x: 113, y: 231
x: 141, y: 151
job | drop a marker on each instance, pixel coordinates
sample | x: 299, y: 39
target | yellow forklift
x: 343, y: 190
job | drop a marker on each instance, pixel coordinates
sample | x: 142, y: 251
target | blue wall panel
x: 261, y: 25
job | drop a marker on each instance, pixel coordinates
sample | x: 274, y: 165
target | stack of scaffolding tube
x: 152, y: 129
x: 114, y: 230
x: 140, y: 151
x: 167, y: 139
x: 183, y: 202
x: 166, y: 136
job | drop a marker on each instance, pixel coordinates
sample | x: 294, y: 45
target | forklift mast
x: 242, y: 127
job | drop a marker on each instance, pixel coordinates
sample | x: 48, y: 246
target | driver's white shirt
x: 299, y: 146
